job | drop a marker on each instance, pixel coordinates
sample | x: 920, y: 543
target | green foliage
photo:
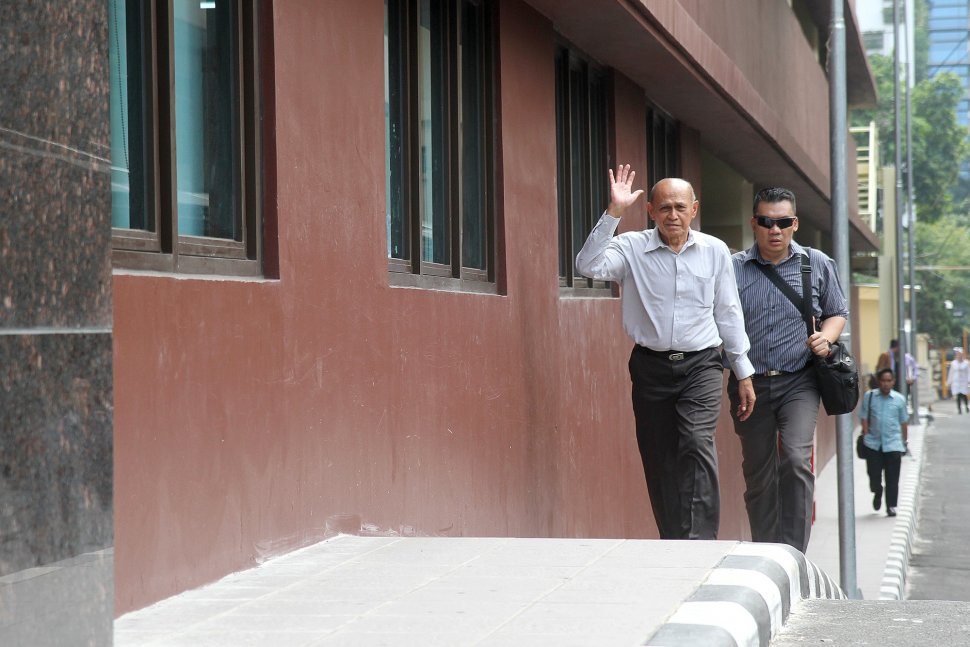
x: 940, y: 146
x: 941, y: 244
x: 921, y: 39
x: 883, y: 114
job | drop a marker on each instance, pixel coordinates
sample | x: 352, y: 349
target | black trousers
x: 776, y: 444
x: 888, y: 462
x: 676, y: 404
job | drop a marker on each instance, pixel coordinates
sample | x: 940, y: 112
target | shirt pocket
x: 699, y: 288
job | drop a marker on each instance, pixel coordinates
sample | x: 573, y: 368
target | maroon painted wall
x: 255, y: 417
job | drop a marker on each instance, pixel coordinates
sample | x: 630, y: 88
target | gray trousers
x: 776, y: 446
x: 676, y: 405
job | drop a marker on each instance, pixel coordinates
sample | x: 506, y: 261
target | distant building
x: 949, y: 46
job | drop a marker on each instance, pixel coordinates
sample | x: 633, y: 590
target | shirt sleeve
x: 729, y: 317
x: 831, y: 298
x: 600, y: 258
x: 913, y: 366
x: 864, y: 409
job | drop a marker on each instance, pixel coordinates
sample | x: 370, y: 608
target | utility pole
x: 911, y: 210
x: 838, y: 123
x: 900, y: 277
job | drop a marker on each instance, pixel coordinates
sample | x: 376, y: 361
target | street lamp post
x: 838, y: 125
x: 911, y: 221
x: 900, y: 304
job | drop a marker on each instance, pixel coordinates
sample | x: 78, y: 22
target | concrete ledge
x: 746, y: 599
x: 893, y: 585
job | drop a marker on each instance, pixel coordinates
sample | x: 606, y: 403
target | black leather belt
x: 774, y: 373
x: 671, y: 355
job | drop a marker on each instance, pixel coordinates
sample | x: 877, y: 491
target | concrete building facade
x: 342, y: 241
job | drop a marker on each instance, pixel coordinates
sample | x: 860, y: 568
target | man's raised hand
x: 622, y: 194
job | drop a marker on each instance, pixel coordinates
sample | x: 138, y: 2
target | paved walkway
x: 882, y: 543
x: 365, y: 591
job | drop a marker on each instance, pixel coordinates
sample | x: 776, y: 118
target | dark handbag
x: 837, y: 374
x: 862, y: 450
x: 838, y: 380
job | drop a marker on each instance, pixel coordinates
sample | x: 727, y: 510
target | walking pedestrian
x: 778, y: 439
x: 680, y: 304
x: 958, y: 379
x: 885, y: 429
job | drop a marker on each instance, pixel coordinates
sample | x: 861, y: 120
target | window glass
x: 581, y: 157
x: 434, y: 226
x: 663, y: 152
x: 562, y: 158
x: 397, y: 232
x: 127, y: 97
x: 205, y: 118
x: 472, y: 140
x: 186, y: 126
x: 438, y: 138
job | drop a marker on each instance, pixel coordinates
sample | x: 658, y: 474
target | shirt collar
x: 654, y: 241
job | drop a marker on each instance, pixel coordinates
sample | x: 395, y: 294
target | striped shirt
x: 678, y: 301
x: 774, y: 324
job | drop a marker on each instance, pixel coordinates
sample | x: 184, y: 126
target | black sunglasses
x: 768, y: 223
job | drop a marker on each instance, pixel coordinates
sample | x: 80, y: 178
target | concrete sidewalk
x: 363, y: 591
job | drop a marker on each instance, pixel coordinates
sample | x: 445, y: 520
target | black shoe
x: 890, y: 512
x: 877, y: 499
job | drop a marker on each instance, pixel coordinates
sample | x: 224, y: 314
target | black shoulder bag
x: 862, y: 450
x: 837, y: 376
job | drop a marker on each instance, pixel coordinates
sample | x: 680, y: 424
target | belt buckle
x: 772, y: 373
x: 675, y: 357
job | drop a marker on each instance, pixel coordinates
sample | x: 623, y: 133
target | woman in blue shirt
x: 885, y: 424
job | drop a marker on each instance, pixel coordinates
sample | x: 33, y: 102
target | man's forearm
x: 832, y: 328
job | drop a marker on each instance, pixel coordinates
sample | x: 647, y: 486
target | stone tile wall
x: 56, y: 529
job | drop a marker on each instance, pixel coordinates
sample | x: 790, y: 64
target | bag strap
x: 869, y: 410
x: 804, y: 304
x: 869, y: 417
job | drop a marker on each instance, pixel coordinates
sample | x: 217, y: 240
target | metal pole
x: 911, y: 211
x: 900, y: 276
x: 839, y: 129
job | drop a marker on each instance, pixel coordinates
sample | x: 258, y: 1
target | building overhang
x: 658, y: 45
x: 860, y: 82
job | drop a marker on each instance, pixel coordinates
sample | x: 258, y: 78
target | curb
x: 893, y: 585
x: 746, y: 598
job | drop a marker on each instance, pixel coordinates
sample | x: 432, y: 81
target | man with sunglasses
x: 778, y: 438
x: 680, y: 304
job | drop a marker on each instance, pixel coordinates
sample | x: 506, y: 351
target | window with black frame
x: 439, y: 156
x: 184, y: 136
x: 663, y: 147
x: 581, y: 158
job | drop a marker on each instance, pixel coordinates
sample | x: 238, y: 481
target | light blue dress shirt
x: 889, y: 414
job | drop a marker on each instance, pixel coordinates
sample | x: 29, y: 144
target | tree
x: 943, y: 244
x: 882, y: 114
x: 940, y: 147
